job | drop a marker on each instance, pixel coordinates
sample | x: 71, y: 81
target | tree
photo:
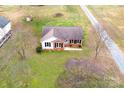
x: 98, y: 46
x: 58, y: 15
x: 101, y: 38
x: 39, y: 49
x: 21, y: 46
x: 84, y: 73
x: 21, y: 53
x: 24, y: 43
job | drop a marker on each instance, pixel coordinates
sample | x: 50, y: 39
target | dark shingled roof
x: 63, y: 33
x: 3, y: 22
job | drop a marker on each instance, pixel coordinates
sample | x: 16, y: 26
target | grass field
x: 37, y: 70
x: 112, y: 18
x: 42, y: 70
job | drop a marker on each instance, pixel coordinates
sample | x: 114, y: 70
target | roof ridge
x: 64, y: 32
x: 49, y: 34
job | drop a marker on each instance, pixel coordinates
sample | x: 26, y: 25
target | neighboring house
x: 57, y: 38
x: 5, y: 27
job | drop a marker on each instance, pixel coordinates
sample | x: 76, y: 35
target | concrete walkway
x: 72, y: 49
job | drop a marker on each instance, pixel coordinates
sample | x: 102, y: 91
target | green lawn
x: 47, y: 66
x: 39, y: 70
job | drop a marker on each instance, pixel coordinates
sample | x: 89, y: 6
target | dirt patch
x: 58, y: 15
x: 15, y: 16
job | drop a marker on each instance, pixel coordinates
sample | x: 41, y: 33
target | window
x: 50, y: 44
x: 47, y: 44
x: 60, y: 45
x: 79, y: 41
x: 66, y: 41
x: 57, y: 45
x: 75, y: 41
x: 71, y: 41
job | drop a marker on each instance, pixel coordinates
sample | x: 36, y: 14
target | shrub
x: 58, y: 15
x: 39, y: 49
x: 83, y: 73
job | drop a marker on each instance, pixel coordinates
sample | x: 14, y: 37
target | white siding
x: 1, y: 33
x: 7, y: 28
x: 48, y: 40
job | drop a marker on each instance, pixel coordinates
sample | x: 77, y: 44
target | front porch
x: 72, y: 49
x: 62, y: 45
x: 73, y: 43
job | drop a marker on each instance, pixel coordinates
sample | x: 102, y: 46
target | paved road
x: 116, y: 53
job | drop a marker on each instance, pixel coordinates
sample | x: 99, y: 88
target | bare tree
x: 97, y: 47
x: 24, y: 44
x: 21, y: 53
x: 21, y: 46
x: 100, y: 40
x: 83, y: 73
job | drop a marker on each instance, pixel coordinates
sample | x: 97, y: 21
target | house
x: 58, y: 38
x: 5, y: 30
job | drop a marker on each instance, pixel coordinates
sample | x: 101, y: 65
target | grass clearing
x: 112, y: 18
x: 41, y: 70
x: 37, y: 70
x: 45, y: 69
